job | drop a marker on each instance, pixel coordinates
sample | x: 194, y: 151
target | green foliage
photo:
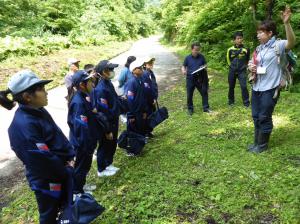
x: 212, y: 23
x: 39, y: 27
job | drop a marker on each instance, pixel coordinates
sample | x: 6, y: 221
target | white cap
x: 135, y: 64
x: 23, y: 80
x: 149, y: 59
x: 72, y: 61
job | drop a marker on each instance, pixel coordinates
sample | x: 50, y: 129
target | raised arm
x: 290, y: 35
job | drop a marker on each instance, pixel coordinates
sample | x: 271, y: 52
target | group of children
x: 95, y: 107
x: 93, y: 118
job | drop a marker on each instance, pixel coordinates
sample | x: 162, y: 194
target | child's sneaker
x: 89, y: 187
x: 106, y: 173
x: 123, y: 118
x: 129, y: 154
x: 112, y: 168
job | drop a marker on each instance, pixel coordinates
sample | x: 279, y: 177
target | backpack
x: 288, y: 68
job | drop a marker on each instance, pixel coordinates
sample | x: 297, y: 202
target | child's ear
x: 82, y: 85
x: 26, y: 97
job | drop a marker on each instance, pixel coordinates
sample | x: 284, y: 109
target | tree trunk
x: 253, y: 4
x: 269, y: 7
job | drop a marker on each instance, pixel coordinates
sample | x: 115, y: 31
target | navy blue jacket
x: 193, y: 63
x: 84, y: 130
x: 150, y: 83
x: 136, y: 97
x: 42, y: 147
x: 105, y: 100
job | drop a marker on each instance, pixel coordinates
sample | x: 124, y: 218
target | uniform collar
x: 83, y: 94
x: 196, y: 56
x: 240, y: 46
x: 31, y: 110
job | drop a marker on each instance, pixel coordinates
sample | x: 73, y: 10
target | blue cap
x: 80, y: 76
x: 23, y: 80
x: 105, y: 64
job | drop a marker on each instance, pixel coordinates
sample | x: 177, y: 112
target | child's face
x: 138, y: 71
x: 89, y: 85
x: 238, y: 40
x: 74, y: 67
x: 86, y: 86
x: 38, y: 99
x: 149, y: 66
x: 105, y: 74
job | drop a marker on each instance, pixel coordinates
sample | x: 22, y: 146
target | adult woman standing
x: 267, y: 64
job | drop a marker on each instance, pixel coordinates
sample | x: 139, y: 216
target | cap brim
x: 43, y: 82
x: 89, y: 70
x: 112, y: 66
x: 89, y: 76
x: 150, y: 60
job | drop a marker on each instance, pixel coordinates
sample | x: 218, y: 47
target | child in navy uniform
x: 151, y: 89
x: 83, y: 129
x: 38, y: 142
x: 105, y: 100
x: 137, y: 102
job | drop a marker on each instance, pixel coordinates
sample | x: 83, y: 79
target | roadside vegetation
x: 213, y: 23
x: 196, y: 169
x: 30, y: 29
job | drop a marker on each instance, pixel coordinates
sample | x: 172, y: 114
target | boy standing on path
x: 194, y: 68
x: 237, y: 59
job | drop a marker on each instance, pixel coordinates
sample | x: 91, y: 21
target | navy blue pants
x: 48, y: 207
x: 82, y: 167
x: 107, y: 148
x: 242, y: 77
x: 263, y: 106
x: 201, y: 84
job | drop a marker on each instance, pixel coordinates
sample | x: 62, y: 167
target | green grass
x: 54, y: 66
x: 197, y: 170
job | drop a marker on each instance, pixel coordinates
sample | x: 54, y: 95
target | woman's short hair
x: 267, y: 26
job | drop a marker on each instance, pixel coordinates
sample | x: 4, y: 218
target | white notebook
x: 199, y: 69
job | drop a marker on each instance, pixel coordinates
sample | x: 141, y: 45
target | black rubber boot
x: 250, y: 147
x: 262, y: 145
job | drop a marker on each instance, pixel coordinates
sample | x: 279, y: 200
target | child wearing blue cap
x: 83, y: 129
x: 38, y: 142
